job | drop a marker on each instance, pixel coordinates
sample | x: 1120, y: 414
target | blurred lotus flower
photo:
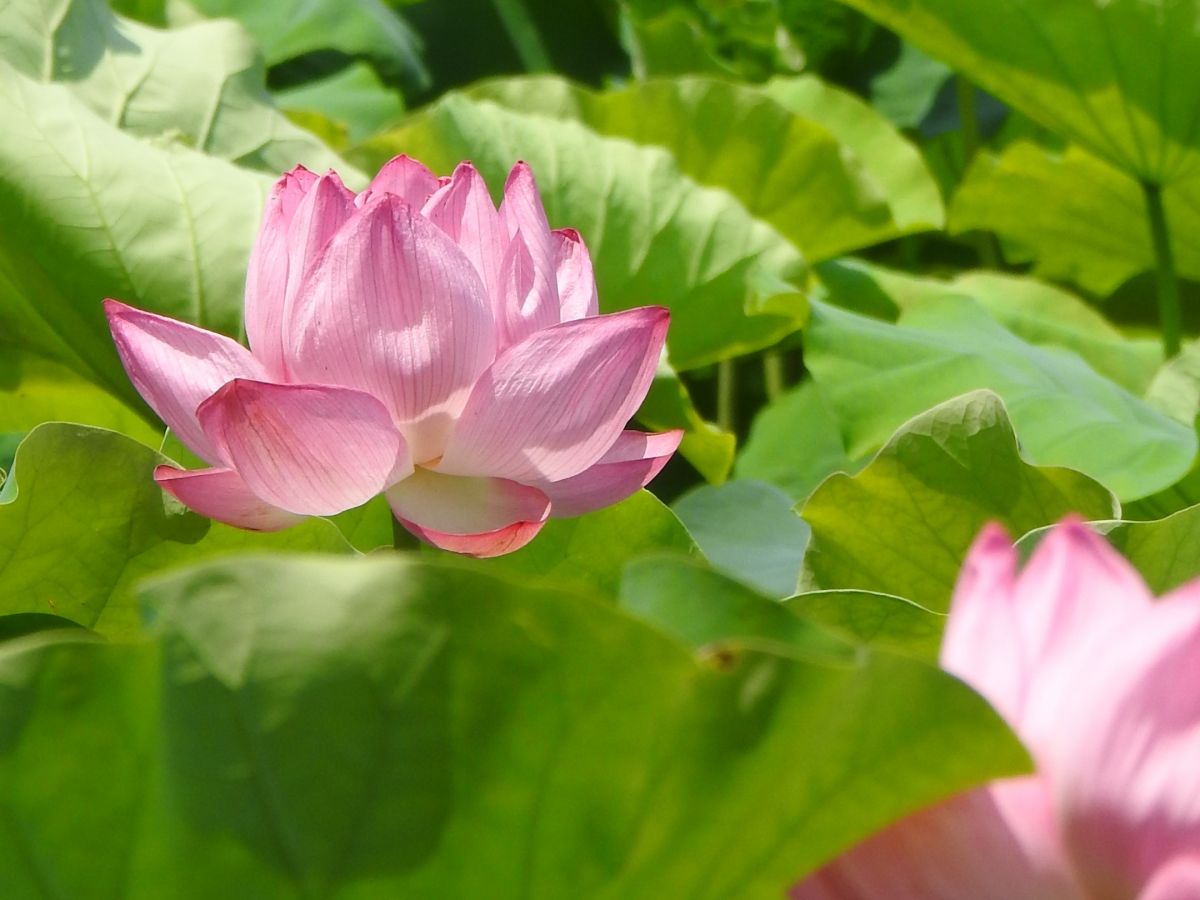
x: 1103, y: 684
x: 410, y: 339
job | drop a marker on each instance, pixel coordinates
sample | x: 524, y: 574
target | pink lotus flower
x: 414, y: 340
x: 1103, y: 685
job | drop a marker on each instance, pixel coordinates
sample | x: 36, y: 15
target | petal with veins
x: 309, y: 449
x: 628, y: 466
x: 176, y: 367
x: 395, y: 309
x: 266, y: 277
x: 221, y: 494
x: 403, y: 176
x: 550, y: 407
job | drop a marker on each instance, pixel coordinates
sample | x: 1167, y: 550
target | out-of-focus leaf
x: 200, y: 85
x: 1079, y: 67
x: 288, y: 28
x: 1032, y: 310
x: 795, y: 442
x: 668, y: 406
x: 877, y: 620
x: 586, y: 553
x: 81, y: 520
x: 903, y: 524
x: 748, y: 530
x: 669, y: 42
x: 1166, y: 551
x: 656, y: 236
x: 904, y: 94
x: 394, y: 728
x: 819, y: 165
x: 873, y: 375
x: 1082, y: 220
x: 712, y: 613
x: 353, y: 97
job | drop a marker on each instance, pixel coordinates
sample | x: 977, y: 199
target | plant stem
x: 968, y: 118
x: 774, y: 374
x: 726, y: 394
x: 1169, y: 315
x: 523, y: 33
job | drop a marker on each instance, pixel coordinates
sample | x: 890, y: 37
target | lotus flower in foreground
x: 411, y: 339
x: 1102, y: 683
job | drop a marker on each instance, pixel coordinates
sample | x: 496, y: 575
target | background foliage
x: 930, y: 264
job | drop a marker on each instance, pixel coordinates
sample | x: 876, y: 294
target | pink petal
x: 1127, y: 752
x: 403, y: 176
x: 628, y: 466
x: 575, y: 278
x: 176, y: 366
x: 266, y: 278
x: 477, y: 516
x: 395, y: 309
x: 1073, y: 599
x: 982, y: 644
x: 522, y: 214
x: 326, y: 207
x: 221, y: 494
x: 993, y: 844
x: 463, y: 209
x: 1178, y: 880
x: 549, y: 407
x: 309, y: 449
x: 528, y: 301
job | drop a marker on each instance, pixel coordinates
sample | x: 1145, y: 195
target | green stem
x: 968, y: 118
x: 523, y: 33
x: 1170, y: 318
x: 726, y: 394
x: 774, y: 374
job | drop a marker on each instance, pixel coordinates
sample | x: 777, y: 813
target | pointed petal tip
x: 221, y: 495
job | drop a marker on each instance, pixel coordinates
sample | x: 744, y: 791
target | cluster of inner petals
x: 414, y: 340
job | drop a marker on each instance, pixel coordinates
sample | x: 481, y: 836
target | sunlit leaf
x: 874, y: 374
x: 903, y: 524
x: 1116, y: 76
x: 81, y: 520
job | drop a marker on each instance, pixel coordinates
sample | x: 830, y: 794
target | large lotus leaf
x: 35, y: 390
x: 81, y: 520
x: 288, y: 28
x: 656, y: 235
x: 201, y: 85
x: 1081, y: 219
x: 1114, y: 75
x: 748, y: 530
x: 874, y: 375
x: 392, y: 728
x: 903, y: 524
x: 884, y: 621
x: 1165, y: 551
x: 353, y: 98
x: 1033, y: 310
x: 819, y: 165
x: 717, y: 616
x: 93, y: 212
x: 794, y: 443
